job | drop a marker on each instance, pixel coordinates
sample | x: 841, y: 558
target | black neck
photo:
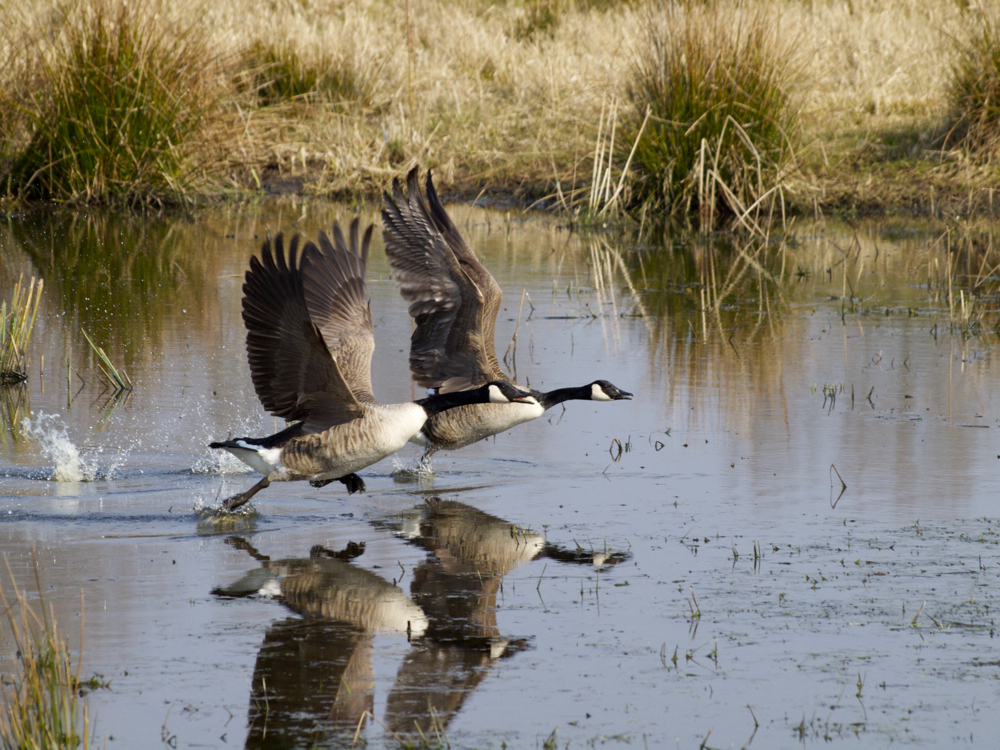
x: 550, y: 399
x: 442, y: 401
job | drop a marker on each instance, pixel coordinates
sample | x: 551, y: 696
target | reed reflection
x: 313, y: 680
x: 15, y: 407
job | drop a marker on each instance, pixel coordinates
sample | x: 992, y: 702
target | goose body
x: 470, y: 424
x: 341, y: 450
x: 454, y: 301
x: 309, y: 343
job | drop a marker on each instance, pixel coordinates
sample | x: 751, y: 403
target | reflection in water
x: 15, y: 406
x: 105, y: 270
x: 313, y: 680
x: 469, y: 552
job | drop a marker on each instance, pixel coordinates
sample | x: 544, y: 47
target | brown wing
x: 290, y: 364
x: 449, y: 350
x: 492, y: 295
x: 336, y: 296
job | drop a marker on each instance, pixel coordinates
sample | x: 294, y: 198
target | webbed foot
x: 234, y: 502
x: 354, y: 483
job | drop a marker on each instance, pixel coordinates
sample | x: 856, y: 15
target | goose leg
x: 425, y: 466
x: 353, y: 483
x: 236, y: 501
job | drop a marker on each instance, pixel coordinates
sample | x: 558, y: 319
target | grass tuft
x: 42, y: 706
x: 278, y: 72
x: 975, y: 87
x: 716, y: 83
x: 115, y: 103
x: 17, y: 322
x: 533, y: 19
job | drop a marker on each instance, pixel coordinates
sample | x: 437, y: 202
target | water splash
x: 208, y: 509
x: 409, y: 470
x: 70, y: 464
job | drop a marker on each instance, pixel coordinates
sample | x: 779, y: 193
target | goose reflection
x: 313, y: 680
x: 469, y: 553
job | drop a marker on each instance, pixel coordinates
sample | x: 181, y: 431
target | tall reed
x: 115, y: 103
x: 716, y: 79
x: 42, y: 708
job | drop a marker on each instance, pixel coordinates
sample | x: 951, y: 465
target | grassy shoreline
x: 333, y: 99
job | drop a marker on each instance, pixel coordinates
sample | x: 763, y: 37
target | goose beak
x: 619, y: 395
x: 525, y: 398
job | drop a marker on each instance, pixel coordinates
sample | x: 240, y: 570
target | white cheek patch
x: 597, y: 393
x: 496, y: 397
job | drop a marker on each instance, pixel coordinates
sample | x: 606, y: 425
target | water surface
x: 687, y: 565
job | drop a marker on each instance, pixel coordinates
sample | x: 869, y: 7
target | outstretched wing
x: 452, y: 345
x: 492, y: 295
x: 337, y: 300
x: 290, y: 364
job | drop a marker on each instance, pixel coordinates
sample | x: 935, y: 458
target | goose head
x: 602, y: 390
x: 503, y: 392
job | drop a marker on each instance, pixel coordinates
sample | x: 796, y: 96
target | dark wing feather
x: 448, y: 350
x: 337, y: 299
x: 492, y: 295
x: 292, y: 371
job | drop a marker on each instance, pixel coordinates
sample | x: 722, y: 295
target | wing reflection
x: 313, y: 680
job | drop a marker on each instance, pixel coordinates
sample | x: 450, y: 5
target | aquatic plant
x: 975, y: 87
x: 115, y: 104
x: 716, y: 80
x: 118, y: 380
x: 17, y: 322
x: 42, y: 707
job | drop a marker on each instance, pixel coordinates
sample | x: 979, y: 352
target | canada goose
x: 310, y: 343
x: 454, y: 301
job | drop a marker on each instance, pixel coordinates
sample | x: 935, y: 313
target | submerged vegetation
x: 42, y: 707
x: 123, y: 102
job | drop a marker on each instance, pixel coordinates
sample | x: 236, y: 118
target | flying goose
x: 454, y: 302
x: 309, y: 342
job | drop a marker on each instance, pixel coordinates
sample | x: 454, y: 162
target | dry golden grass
x: 509, y: 95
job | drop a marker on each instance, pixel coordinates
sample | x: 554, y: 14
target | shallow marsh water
x: 675, y: 570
